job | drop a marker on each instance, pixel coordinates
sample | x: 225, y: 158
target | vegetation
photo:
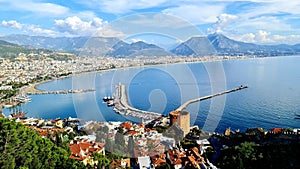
x: 11, y: 51
x: 251, y: 155
x: 21, y: 147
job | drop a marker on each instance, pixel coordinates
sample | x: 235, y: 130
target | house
x: 175, y: 155
x: 158, y: 159
x: 276, y: 130
x: 144, y: 162
x: 83, y: 150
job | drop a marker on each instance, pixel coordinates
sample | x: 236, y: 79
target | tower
x: 181, y: 119
x: 174, y: 115
x: 184, y: 121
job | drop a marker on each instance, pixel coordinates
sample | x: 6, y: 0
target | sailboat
x: 297, y: 116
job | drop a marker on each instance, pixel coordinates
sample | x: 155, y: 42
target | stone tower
x: 181, y: 119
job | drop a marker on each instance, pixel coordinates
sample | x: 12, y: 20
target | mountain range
x: 13, y: 51
x: 213, y: 44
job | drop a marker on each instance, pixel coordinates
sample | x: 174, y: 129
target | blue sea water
x: 272, y: 99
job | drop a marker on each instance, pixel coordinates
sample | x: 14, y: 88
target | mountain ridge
x: 213, y: 44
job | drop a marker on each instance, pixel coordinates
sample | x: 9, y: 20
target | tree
x: 103, y: 161
x: 119, y: 140
x: 131, y: 146
x: 21, y: 147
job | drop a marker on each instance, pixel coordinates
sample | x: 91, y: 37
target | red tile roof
x: 276, y: 130
x: 82, y: 150
x: 127, y: 125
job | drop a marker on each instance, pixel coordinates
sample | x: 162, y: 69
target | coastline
x: 32, y: 88
x: 155, y: 66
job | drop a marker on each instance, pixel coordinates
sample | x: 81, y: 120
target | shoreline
x: 32, y: 88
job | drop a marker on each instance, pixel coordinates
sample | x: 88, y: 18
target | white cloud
x: 74, y: 26
x: 223, y: 20
x: 108, y: 31
x: 122, y: 6
x: 37, y: 30
x: 41, y: 8
x: 259, y: 37
x: 264, y: 37
x: 196, y: 14
x: 248, y: 37
x: 134, y: 40
x: 269, y: 23
x: 11, y: 24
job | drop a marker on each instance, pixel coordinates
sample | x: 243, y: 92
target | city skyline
x: 256, y: 21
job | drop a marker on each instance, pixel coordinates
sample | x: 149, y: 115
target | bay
x: 272, y: 99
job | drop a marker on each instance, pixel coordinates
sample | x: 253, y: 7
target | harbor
x: 61, y: 91
x: 183, y: 106
x: 121, y: 105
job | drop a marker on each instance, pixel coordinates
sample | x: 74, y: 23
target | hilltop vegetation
x: 12, y: 51
x: 211, y: 45
x: 21, y: 147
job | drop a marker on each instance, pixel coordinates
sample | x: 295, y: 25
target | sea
x: 272, y: 99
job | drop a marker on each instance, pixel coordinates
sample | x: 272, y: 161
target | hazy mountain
x: 194, y: 46
x: 12, y: 51
x: 4, y: 43
x: 222, y: 45
x: 214, y: 44
x: 84, y: 45
x: 123, y: 49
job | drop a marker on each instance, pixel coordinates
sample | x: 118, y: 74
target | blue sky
x: 257, y: 21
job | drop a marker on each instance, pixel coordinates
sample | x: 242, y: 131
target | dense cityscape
x: 155, y: 84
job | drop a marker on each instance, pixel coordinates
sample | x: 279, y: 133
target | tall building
x: 181, y: 119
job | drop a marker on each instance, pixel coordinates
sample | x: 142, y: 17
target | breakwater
x: 122, y: 106
x: 183, y: 106
x: 37, y: 92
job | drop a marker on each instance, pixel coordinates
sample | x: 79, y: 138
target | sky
x: 255, y: 21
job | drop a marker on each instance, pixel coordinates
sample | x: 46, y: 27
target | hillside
x: 211, y: 45
x: 218, y: 44
x: 12, y: 51
x: 24, y: 148
x: 123, y: 49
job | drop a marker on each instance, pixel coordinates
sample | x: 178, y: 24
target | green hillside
x: 21, y: 147
x: 11, y: 51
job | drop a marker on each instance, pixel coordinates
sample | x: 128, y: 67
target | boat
x: 11, y: 104
x: 23, y: 99
x: 8, y: 105
x: 106, y: 99
x: 297, y: 115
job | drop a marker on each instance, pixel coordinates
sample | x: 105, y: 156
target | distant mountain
x: 214, y: 44
x: 123, y: 49
x: 11, y: 51
x: 84, y: 45
x: 195, y: 46
x: 222, y: 45
x: 4, y: 43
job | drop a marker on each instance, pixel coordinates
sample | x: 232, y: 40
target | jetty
x: 183, y: 106
x: 37, y: 92
x: 121, y: 105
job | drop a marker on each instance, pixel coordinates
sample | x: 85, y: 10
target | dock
x: 183, y: 106
x: 60, y: 91
x: 122, y: 106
